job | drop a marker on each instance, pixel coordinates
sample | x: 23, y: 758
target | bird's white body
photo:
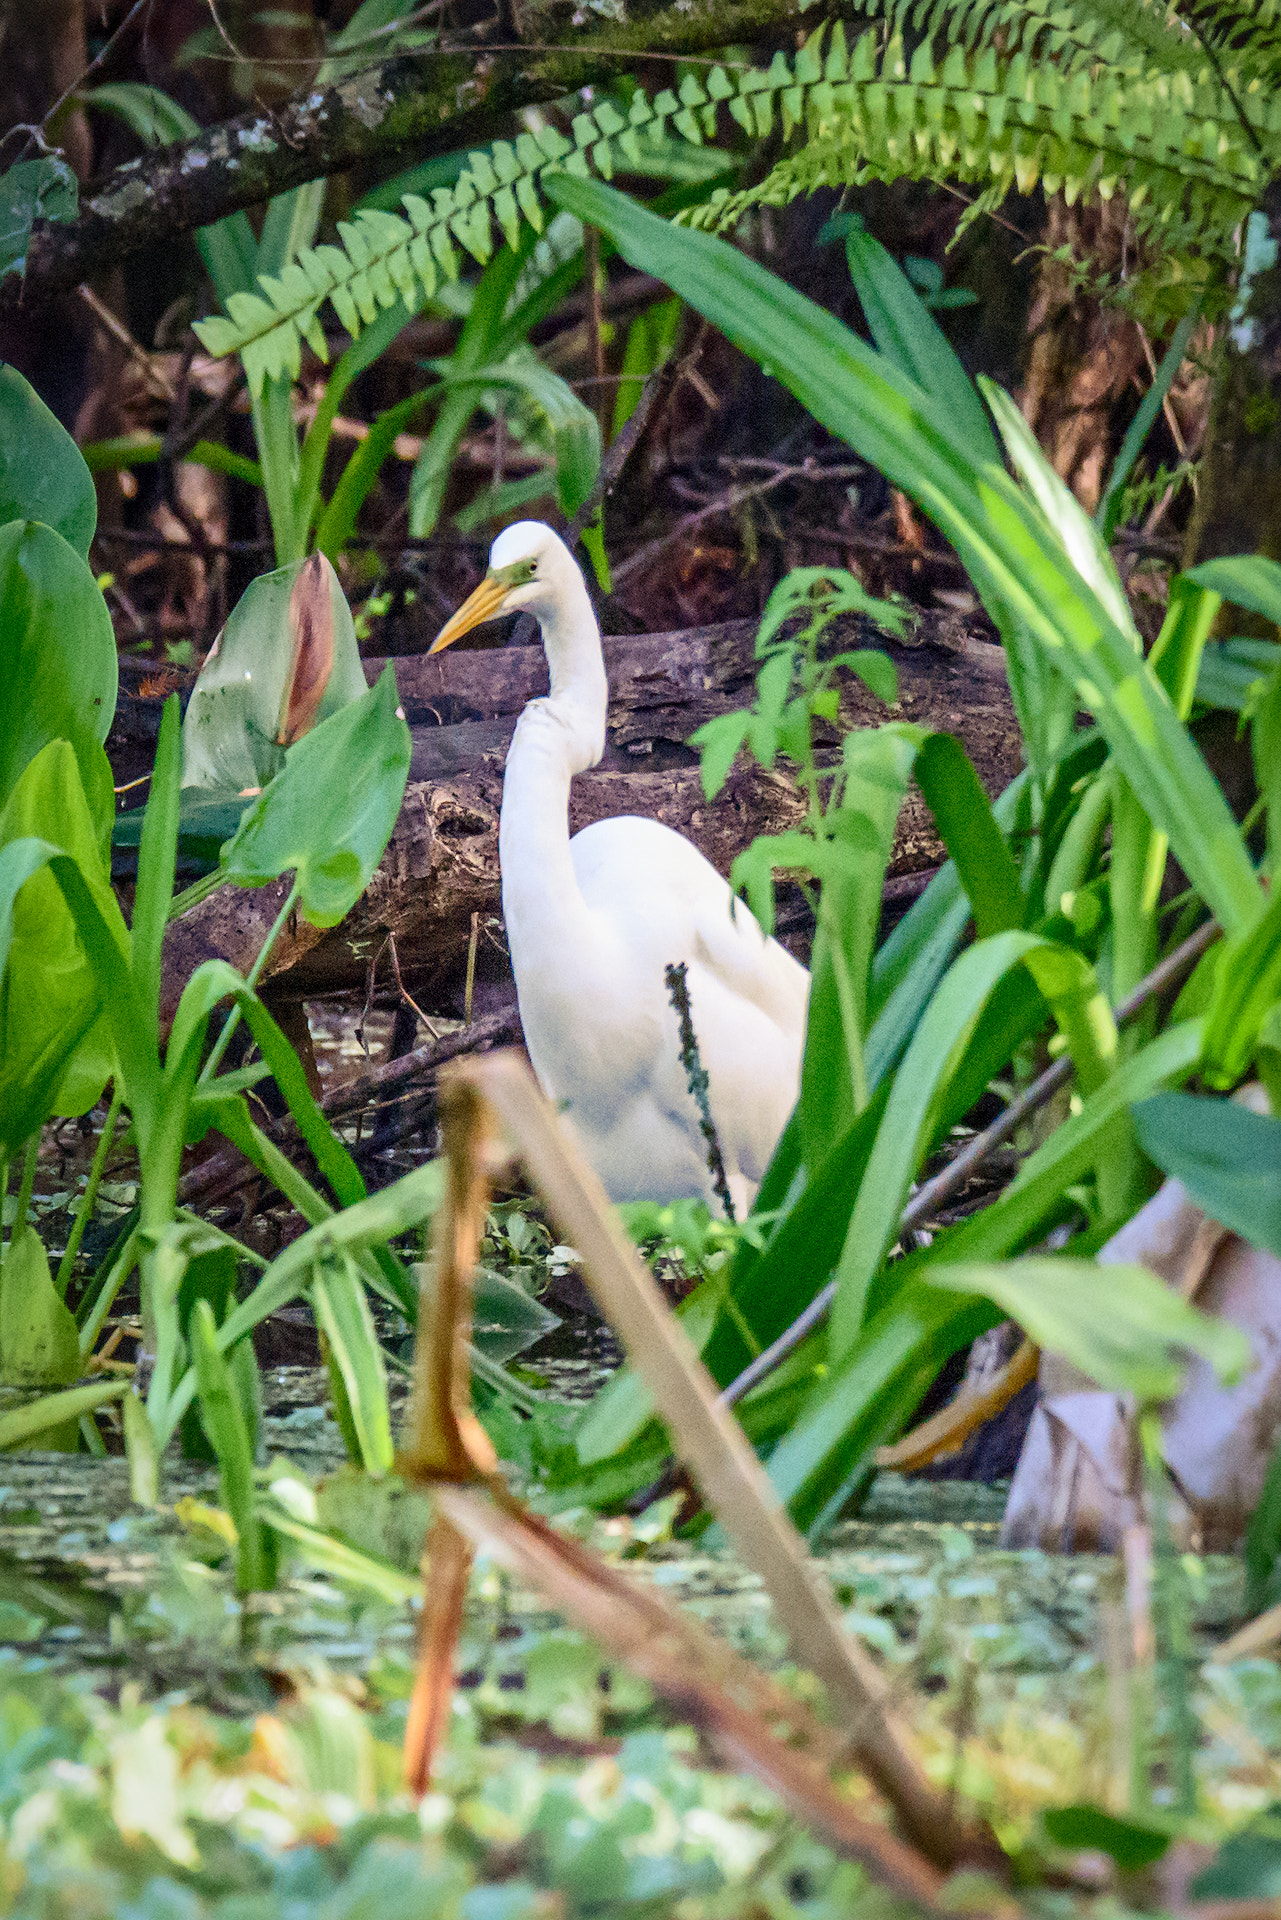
x: 593, y: 923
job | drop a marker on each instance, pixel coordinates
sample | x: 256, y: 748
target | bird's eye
x: 533, y: 567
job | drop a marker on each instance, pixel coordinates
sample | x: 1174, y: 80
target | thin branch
x: 412, y: 107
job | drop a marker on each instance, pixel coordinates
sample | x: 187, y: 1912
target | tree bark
x: 1238, y: 506
x: 402, y: 111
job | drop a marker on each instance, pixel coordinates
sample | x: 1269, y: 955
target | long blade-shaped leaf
x: 1013, y: 556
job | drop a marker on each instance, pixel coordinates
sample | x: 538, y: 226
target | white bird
x: 593, y: 923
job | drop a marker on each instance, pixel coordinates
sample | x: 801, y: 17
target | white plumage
x: 593, y: 922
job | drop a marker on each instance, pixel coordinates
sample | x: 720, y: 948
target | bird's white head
x: 531, y: 570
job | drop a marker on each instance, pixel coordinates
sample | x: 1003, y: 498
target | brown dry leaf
x: 311, y: 615
x: 751, y: 1721
x: 705, y: 1434
x: 447, y: 1561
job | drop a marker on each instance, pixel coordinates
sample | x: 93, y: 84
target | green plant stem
x: 198, y: 890
x: 89, y: 1199
x: 30, y: 1155
x: 233, y: 1018
x: 121, y: 1267
x: 849, y: 1011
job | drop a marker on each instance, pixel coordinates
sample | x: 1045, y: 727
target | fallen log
x: 441, y: 865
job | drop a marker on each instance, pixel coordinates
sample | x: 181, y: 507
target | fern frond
x: 1171, y: 142
x: 384, y: 257
x: 1083, y: 97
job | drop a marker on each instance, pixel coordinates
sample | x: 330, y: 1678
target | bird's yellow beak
x: 486, y: 603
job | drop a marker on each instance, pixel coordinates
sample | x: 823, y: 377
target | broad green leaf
x: 1119, y: 1324
x: 31, y: 190
x: 1012, y: 553
x: 1247, y: 580
x: 878, y: 766
x: 370, y: 1223
x: 55, y: 1049
x: 506, y: 1319
x: 1247, y: 1866
x: 1227, y: 1157
x: 651, y: 340
x: 1178, y: 649
x: 868, y: 1394
x: 43, y: 475
x: 290, y: 640
x: 912, y: 1117
x: 328, y: 816
x: 1129, y: 1842
x: 1076, y: 532
x: 39, y: 1344
x: 57, y: 661
x: 1247, y: 985
x: 573, y: 427
x: 157, y: 864
x: 902, y: 328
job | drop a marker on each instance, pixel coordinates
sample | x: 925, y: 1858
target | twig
x: 158, y: 382
x: 696, y: 1079
x: 662, y: 381
x: 928, y: 1199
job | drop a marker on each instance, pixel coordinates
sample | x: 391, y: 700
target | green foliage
x: 900, y: 1048
x: 240, y: 699
x: 42, y: 474
x: 330, y: 811
x: 1088, y: 99
x: 31, y: 190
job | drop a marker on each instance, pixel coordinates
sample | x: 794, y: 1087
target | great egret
x: 593, y: 922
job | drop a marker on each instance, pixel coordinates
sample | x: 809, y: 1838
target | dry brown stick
x: 712, y: 1688
x: 926, y: 1201
x: 713, y: 1445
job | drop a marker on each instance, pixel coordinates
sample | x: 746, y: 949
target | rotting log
x: 441, y: 865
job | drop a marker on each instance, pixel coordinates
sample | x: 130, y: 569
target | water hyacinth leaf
x: 1227, y: 1157
x: 286, y: 660
x: 328, y: 816
x: 43, y: 475
x: 506, y: 1319
x: 58, y: 672
x: 39, y: 1344
x: 1015, y: 557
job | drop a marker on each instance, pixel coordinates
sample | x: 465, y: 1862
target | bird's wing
x: 643, y: 874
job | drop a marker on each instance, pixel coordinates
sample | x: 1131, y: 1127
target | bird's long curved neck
x: 555, y: 738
